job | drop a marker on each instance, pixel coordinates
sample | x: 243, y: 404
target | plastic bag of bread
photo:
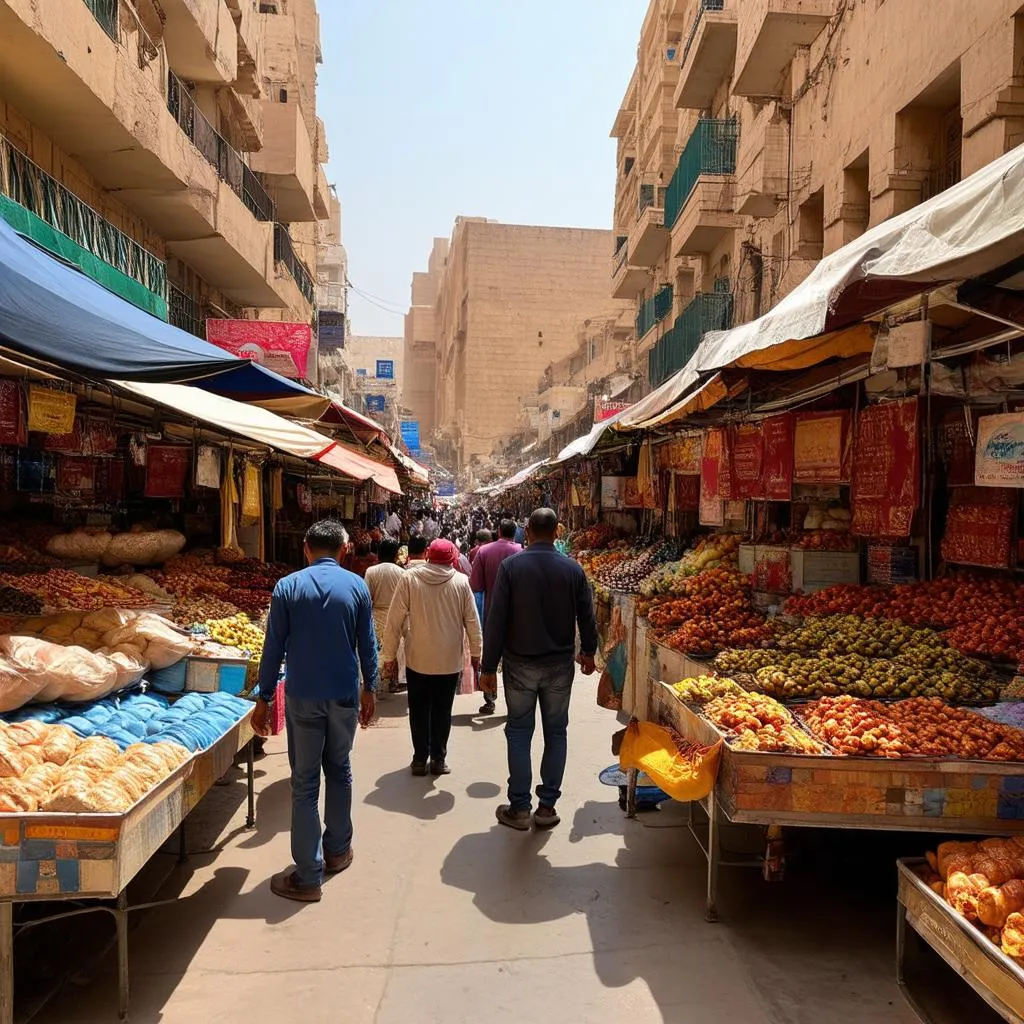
x: 145, y: 585
x: 29, y: 731
x: 96, y: 752
x: 76, y: 674
x: 151, y: 547
x: 162, y: 643
x: 105, y: 619
x: 78, y: 797
x: 82, y: 545
x: 41, y: 779
x: 130, y: 667
x: 14, y: 760
x: 59, y: 744
x: 16, y: 688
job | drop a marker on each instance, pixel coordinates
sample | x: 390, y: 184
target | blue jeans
x: 526, y: 686
x: 320, y: 738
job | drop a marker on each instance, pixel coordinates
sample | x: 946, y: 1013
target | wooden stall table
x: 93, y: 857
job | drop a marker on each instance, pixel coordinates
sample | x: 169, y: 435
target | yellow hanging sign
x: 51, y: 412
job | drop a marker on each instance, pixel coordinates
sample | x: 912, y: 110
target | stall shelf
x: 911, y: 794
x: 981, y: 963
x: 93, y: 857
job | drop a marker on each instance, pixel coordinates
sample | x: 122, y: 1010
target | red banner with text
x: 778, y: 458
x: 281, y: 347
x: 821, y: 448
x: 887, y: 470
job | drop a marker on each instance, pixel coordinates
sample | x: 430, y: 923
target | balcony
x: 323, y: 153
x: 184, y: 311
x: 654, y: 310
x: 201, y: 40
x: 321, y: 195
x: 699, y: 202
x: 708, y: 53
x: 41, y: 207
x: 628, y: 281
x: 649, y: 236
x: 286, y: 161
x: 770, y: 33
x: 284, y: 253
x: 710, y: 311
x: 762, y: 171
x: 251, y: 46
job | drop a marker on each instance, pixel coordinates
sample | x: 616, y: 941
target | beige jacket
x: 433, y: 608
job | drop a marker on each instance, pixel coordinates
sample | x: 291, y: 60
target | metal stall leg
x: 182, y: 843
x: 713, y: 857
x: 901, y: 942
x: 250, y: 820
x: 6, y: 963
x: 121, y: 917
x: 631, y: 783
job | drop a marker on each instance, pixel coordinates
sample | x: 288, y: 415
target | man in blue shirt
x: 539, y: 598
x: 321, y: 619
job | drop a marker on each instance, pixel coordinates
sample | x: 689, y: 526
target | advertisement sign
x: 51, y: 412
x: 979, y: 527
x: 821, y: 448
x: 746, y: 461
x: 605, y: 409
x: 12, y: 424
x: 886, y: 470
x: 682, y: 455
x: 411, y: 435
x: 712, y: 511
x: 330, y: 330
x: 167, y: 470
x: 777, y: 472
x: 1000, y: 453
x: 386, y: 369
x: 374, y: 403
x: 446, y: 489
x: 281, y: 347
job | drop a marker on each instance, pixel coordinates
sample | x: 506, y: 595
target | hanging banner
x: 110, y: 480
x: 682, y: 455
x: 76, y: 473
x: 618, y: 492
x: 886, y: 471
x: 687, y: 492
x: 777, y: 465
x: 955, y: 445
x: 1000, y: 451
x: 281, y: 347
x: 98, y: 437
x: 979, y: 527
x: 208, y: 467
x: 712, y: 511
x: 49, y: 411
x: 605, y: 409
x: 70, y: 443
x: 745, y: 452
x: 821, y: 448
x: 12, y: 422
x: 166, y: 470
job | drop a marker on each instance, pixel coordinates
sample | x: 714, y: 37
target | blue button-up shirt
x: 320, y: 620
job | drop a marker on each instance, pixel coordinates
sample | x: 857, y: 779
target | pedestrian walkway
x: 447, y: 917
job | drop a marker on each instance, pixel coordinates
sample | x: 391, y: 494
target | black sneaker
x: 440, y: 768
x: 418, y: 767
x: 487, y: 709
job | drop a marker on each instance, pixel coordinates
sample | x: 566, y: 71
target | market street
x: 447, y: 917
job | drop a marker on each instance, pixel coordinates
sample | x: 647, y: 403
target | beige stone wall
x: 419, y: 390
x: 511, y: 301
x: 864, y: 121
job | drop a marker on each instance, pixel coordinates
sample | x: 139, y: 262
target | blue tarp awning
x: 54, y: 314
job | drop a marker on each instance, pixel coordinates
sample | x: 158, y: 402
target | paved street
x: 447, y: 917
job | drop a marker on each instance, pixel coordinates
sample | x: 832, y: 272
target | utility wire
x: 375, y: 300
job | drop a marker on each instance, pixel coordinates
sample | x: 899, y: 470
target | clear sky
x: 486, y: 108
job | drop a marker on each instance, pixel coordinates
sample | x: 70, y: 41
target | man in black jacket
x: 539, y: 598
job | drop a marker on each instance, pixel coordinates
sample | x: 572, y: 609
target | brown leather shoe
x: 286, y: 884
x: 335, y: 863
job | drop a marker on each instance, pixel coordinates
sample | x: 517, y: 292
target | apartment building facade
x: 143, y: 142
x: 757, y: 136
x: 511, y: 299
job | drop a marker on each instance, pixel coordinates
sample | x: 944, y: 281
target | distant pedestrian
x: 485, y: 573
x: 361, y: 558
x: 417, y: 550
x: 482, y: 537
x: 538, y: 600
x: 433, y: 609
x: 321, y: 621
x: 382, y: 581
x: 393, y: 525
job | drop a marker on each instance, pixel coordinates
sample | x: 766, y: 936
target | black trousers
x: 430, y: 713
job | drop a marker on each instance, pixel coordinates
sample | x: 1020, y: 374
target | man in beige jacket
x: 433, y: 607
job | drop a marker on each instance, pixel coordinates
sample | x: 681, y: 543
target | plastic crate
x: 216, y: 675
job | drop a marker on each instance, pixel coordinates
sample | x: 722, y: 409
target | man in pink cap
x: 434, y: 609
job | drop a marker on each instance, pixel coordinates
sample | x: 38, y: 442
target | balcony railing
x: 219, y: 153
x: 284, y: 252
x: 184, y: 311
x: 31, y: 187
x: 105, y: 12
x: 654, y: 310
x: 709, y: 311
x: 651, y: 195
x: 702, y: 6
x: 710, y: 150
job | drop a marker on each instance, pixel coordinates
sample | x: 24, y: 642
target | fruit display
x: 755, y: 722
x: 848, y: 634
x: 747, y: 662
x: 192, y: 611
x: 245, y: 583
x: 981, y: 616
x: 1010, y: 712
x: 637, y: 564
x: 63, y: 589
x: 710, y: 612
x: 701, y: 689
x: 716, y: 551
x: 18, y: 602
x: 826, y: 540
x: 919, y: 727
x: 238, y: 631
x: 592, y: 538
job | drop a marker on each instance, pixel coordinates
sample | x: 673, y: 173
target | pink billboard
x: 281, y: 347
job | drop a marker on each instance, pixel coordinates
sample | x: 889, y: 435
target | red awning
x: 362, y: 426
x: 360, y: 467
